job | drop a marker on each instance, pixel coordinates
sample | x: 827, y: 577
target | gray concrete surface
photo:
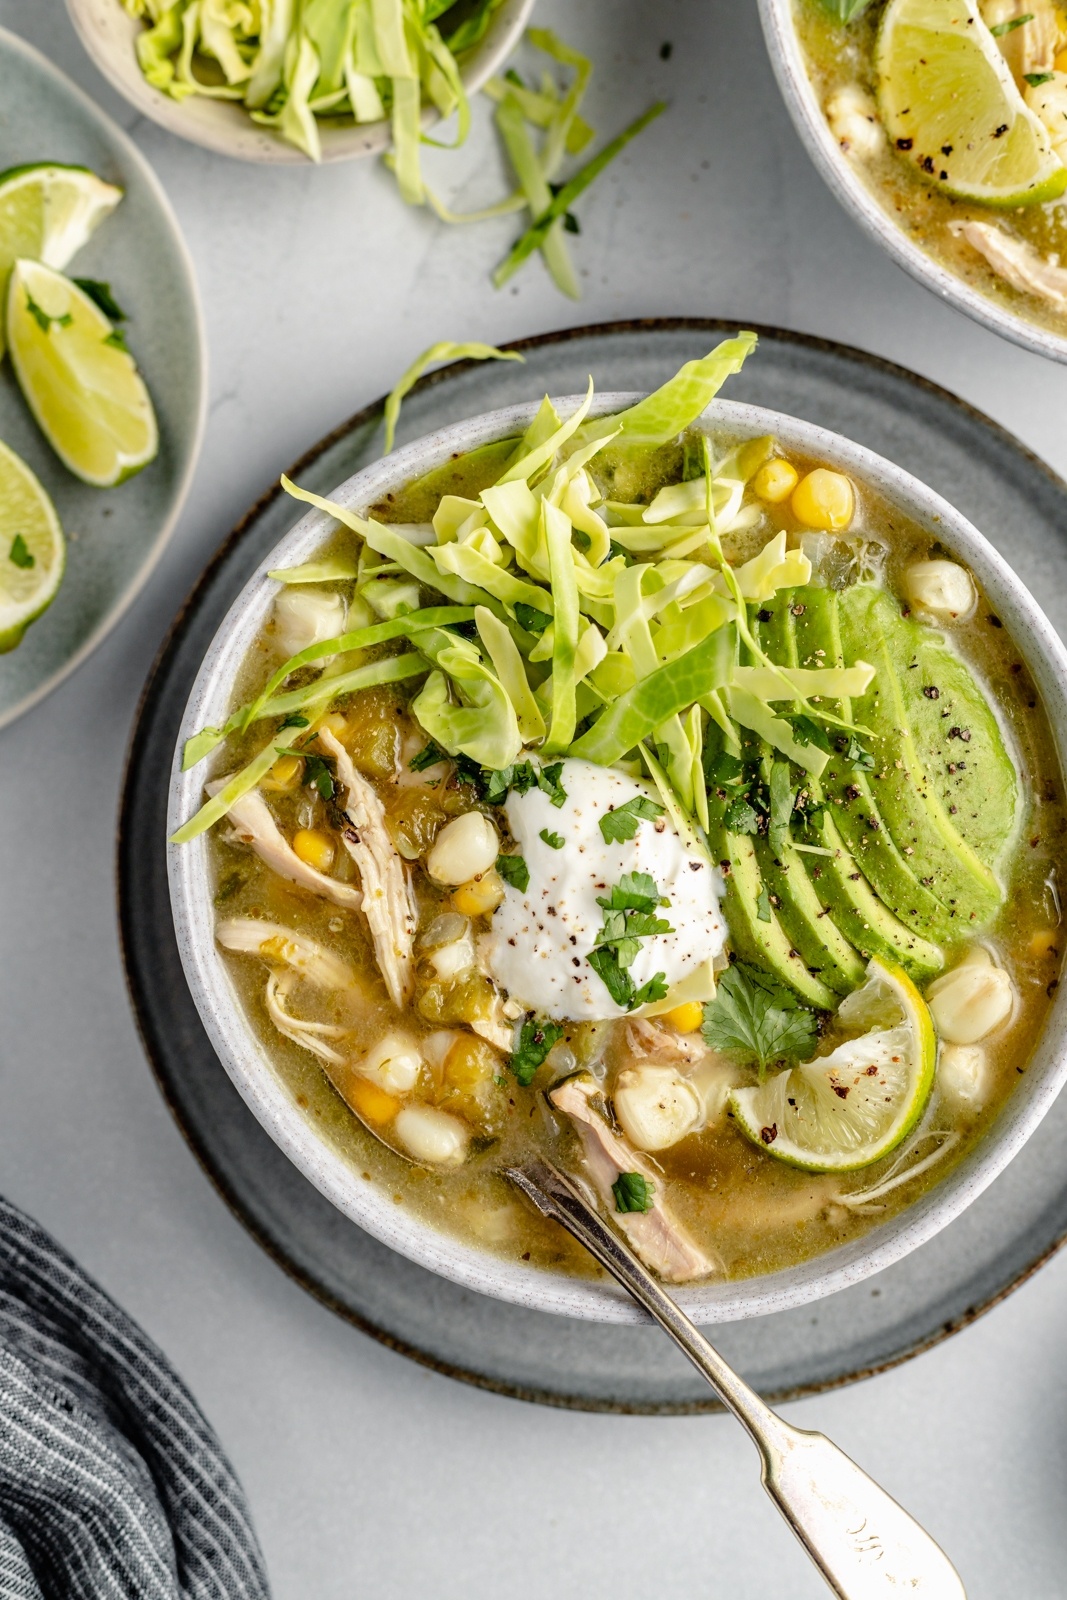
x: 367, y: 1475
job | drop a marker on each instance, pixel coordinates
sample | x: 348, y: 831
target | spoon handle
x: 864, y: 1544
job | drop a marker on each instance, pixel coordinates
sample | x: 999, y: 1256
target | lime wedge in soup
x: 78, y: 378
x: 950, y: 104
x: 47, y: 212
x: 853, y: 1106
x: 32, y: 549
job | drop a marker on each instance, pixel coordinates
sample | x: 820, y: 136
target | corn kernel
x: 471, y: 1061
x: 315, y: 848
x: 480, y: 895
x: 686, y: 1018
x: 371, y: 1102
x: 824, y: 499
x: 285, y: 774
x: 1060, y: 62
x: 1046, y: 942
x: 336, y: 724
x: 775, y: 481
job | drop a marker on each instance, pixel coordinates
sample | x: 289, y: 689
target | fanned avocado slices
x: 845, y: 897
x: 904, y: 793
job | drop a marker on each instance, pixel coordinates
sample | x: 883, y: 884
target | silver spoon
x: 865, y: 1545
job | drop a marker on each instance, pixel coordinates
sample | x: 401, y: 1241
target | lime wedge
x: 47, y: 212
x: 950, y: 104
x: 79, y: 380
x: 33, y: 551
x: 851, y: 1107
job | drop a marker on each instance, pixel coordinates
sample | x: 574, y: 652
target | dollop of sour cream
x: 541, y: 937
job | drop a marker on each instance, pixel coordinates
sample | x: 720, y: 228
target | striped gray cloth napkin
x: 112, y: 1484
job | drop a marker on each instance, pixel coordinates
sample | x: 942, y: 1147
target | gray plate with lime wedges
x: 114, y: 536
x: 993, y: 1246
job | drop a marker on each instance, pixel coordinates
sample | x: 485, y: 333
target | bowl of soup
x: 940, y: 127
x: 660, y: 785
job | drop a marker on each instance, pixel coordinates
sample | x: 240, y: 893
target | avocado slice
x: 900, y: 797
x: 837, y: 884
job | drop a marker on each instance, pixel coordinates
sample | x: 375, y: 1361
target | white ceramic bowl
x: 248, y: 1063
x: 108, y: 33
x: 802, y: 102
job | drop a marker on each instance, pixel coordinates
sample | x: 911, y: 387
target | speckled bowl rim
x: 248, y: 1064
x: 108, y: 32
x: 802, y: 103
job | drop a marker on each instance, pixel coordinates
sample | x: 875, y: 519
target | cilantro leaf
x: 806, y: 731
x: 20, y: 554
x: 117, y: 340
x: 100, y: 294
x: 513, y: 870
x: 548, y: 782
x: 739, y: 817
x: 633, y: 1192
x: 536, y: 1039
x: 318, y: 772
x: 520, y: 776
x: 555, y: 841
x: 530, y: 618
x: 428, y: 756
x: 725, y: 768
x: 855, y: 754
x: 654, y: 989
x: 294, y: 720
x: 635, y: 891
x: 42, y: 318
x: 469, y: 771
x: 616, y: 980
x: 623, y: 822
x: 754, y: 1016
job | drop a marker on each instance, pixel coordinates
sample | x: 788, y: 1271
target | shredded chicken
x: 309, y: 1035
x: 285, y: 947
x: 648, y: 1039
x: 388, y: 900
x: 660, y: 1241
x: 254, y: 825
x: 1017, y: 262
x: 1031, y: 46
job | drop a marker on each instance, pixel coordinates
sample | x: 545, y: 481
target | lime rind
x: 948, y: 102
x: 26, y: 511
x: 852, y: 1107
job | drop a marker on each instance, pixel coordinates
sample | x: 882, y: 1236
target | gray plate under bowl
x: 1005, y: 1235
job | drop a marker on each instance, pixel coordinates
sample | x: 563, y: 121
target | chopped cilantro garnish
x: 754, y: 1016
x: 623, y: 822
x: 523, y: 776
x: 43, y: 320
x: 536, y: 1039
x: 317, y: 773
x: 1001, y: 28
x: 294, y: 720
x: 513, y: 870
x: 855, y: 754
x: 1036, y: 79
x: 739, y: 817
x: 428, y: 756
x: 530, y: 618
x: 20, y: 554
x: 806, y: 731
x: 633, y: 1192
x: 100, y: 294
x: 725, y: 768
x: 117, y: 340
x: 629, y: 917
x: 555, y: 841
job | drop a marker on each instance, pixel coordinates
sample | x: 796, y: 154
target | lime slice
x: 33, y: 551
x: 79, y: 380
x: 851, y: 1107
x: 47, y: 212
x: 949, y: 102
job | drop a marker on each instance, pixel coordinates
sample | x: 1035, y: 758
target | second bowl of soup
x: 661, y: 785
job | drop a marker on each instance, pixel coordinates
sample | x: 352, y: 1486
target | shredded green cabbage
x: 611, y: 631
x: 445, y: 350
